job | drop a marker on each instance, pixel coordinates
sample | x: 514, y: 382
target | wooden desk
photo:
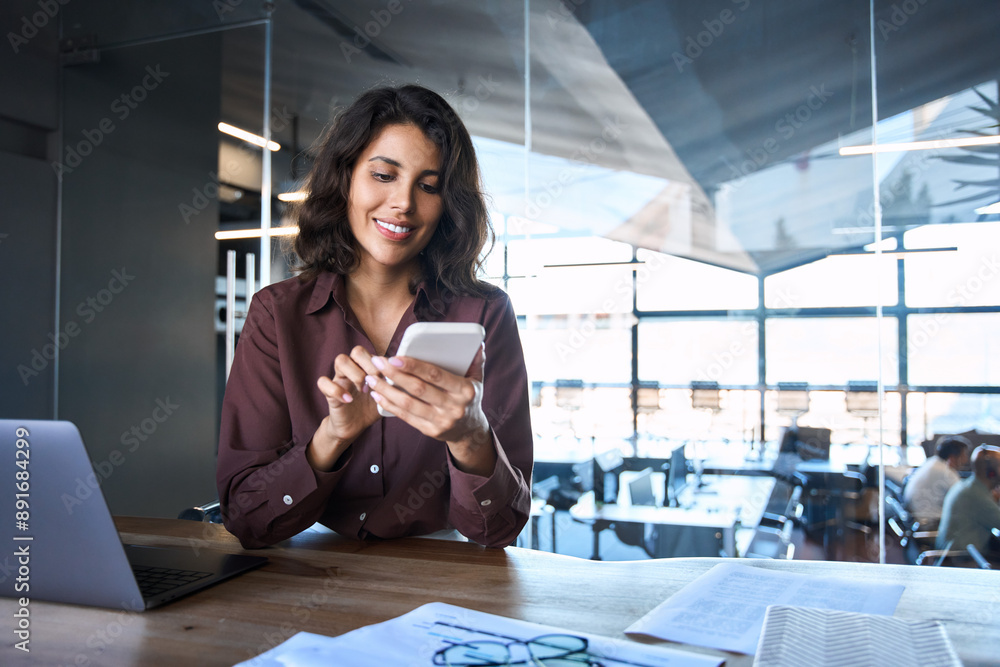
x: 322, y: 583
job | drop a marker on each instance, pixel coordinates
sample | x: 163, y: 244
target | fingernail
x: 377, y: 397
x: 347, y: 398
x: 365, y: 389
x: 396, y: 362
x: 378, y: 363
x: 370, y: 381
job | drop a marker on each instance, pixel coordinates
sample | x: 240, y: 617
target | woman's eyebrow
x: 396, y: 163
x: 388, y: 160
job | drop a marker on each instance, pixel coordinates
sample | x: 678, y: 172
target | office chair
x: 773, y: 537
x: 913, y: 538
x: 772, y: 542
x: 827, y: 494
x: 635, y: 535
x: 970, y: 555
x: 208, y: 513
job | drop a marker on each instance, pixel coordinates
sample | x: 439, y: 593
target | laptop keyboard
x: 155, y: 580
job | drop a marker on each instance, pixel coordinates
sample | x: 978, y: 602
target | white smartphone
x: 450, y: 345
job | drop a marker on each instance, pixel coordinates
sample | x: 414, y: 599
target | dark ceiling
x: 766, y: 62
x: 699, y: 85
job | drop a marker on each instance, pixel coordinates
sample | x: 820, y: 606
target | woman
x: 390, y: 234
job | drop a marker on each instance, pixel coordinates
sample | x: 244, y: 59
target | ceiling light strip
x: 255, y: 233
x: 920, y: 145
x: 248, y: 137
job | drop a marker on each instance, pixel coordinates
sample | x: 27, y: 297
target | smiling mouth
x: 395, y: 229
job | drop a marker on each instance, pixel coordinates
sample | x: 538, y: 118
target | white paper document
x: 415, y: 638
x: 794, y: 636
x: 724, y: 608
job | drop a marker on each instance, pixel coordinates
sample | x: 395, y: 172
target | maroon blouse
x: 392, y: 481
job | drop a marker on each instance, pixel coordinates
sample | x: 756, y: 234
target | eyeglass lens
x: 549, y: 650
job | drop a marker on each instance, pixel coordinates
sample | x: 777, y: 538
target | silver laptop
x: 62, y: 543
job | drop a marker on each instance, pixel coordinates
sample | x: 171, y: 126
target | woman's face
x: 394, y: 204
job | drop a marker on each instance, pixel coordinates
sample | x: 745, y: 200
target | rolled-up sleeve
x: 267, y: 489
x: 493, y: 510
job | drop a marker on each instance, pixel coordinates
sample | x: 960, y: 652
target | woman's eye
x: 428, y: 188
x: 380, y: 176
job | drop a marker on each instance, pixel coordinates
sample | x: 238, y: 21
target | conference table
x: 726, y: 508
x: 322, y: 583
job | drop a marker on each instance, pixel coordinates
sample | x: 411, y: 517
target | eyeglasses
x: 544, y: 651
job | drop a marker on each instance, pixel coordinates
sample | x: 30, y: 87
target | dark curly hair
x: 452, y: 257
x: 948, y: 446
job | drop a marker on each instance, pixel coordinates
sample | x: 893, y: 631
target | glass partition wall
x: 683, y: 196
x: 684, y: 200
x: 704, y: 211
x: 141, y: 194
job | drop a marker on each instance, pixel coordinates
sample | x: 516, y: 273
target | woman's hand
x: 351, y: 408
x: 440, y: 405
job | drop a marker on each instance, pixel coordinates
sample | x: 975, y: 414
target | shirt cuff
x: 487, y: 496
x: 292, y: 484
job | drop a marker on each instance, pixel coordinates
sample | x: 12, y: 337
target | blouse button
x: 287, y: 499
x: 374, y: 469
x: 363, y: 515
x: 486, y: 503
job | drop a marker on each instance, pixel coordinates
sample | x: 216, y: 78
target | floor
x: 576, y: 539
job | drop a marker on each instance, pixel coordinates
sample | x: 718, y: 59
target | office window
x: 576, y: 290
x: 568, y: 423
x: 843, y: 280
x: 932, y: 414
x: 493, y: 266
x: 677, y: 420
x: 830, y: 350
x: 675, y: 283
x: 723, y: 351
x: 578, y: 349
x: 954, y: 349
x: 568, y: 275
x: 530, y: 256
x: 968, y: 276
x: 828, y: 409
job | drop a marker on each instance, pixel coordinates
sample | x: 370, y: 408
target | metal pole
x: 249, y: 290
x: 265, y: 185
x: 878, y: 285
x: 230, y: 309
